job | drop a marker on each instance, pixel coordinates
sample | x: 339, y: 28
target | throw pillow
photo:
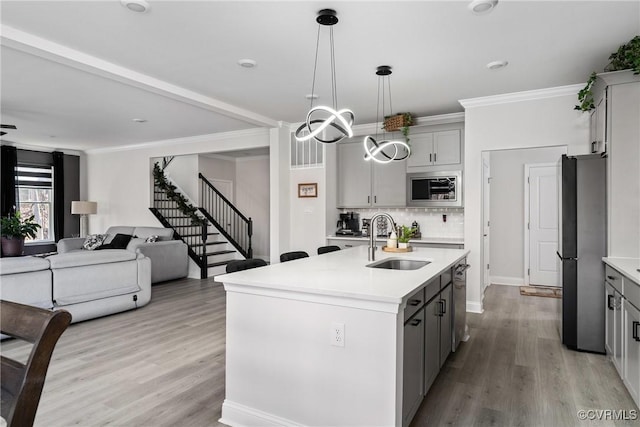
x: 92, y: 241
x: 119, y: 241
x: 152, y: 239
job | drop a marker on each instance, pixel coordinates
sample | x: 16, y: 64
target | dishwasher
x: 460, y: 303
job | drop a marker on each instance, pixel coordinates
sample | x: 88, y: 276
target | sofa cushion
x: 162, y: 233
x: 94, y: 282
x: 82, y: 258
x: 25, y: 264
x: 120, y: 241
x: 119, y: 229
x: 93, y: 241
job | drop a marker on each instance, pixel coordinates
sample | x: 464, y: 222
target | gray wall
x: 507, y: 208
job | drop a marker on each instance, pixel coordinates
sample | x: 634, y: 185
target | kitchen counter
x: 343, y: 274
x: 426, y: 240
x: 627, y: 266
x: 320, y: 340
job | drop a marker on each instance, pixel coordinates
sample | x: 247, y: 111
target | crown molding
x: 41, y: 148
x: 529, y: 95
x: 46, y: 49
x: 371, y: 128
x: 188, y: 140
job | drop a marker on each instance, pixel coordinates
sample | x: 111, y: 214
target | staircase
x: 215, y: 233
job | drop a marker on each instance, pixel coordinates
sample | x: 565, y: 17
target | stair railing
x: 231, y: 223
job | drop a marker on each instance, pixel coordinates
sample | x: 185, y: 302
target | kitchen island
x: 320, y: 340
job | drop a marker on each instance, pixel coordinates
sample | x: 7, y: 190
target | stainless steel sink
x: 399, y: 264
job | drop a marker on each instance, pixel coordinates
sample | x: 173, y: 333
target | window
x: 34, y: 196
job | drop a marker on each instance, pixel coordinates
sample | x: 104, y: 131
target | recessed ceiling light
x: 311, y: 96
x: 480, y: 7
x: 496, y: 65
x: 139, y: 6
x: 140, y: 120
x: 247, y: 63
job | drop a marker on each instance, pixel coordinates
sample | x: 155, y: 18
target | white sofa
x: 169, y: 258
x: 88, y: 285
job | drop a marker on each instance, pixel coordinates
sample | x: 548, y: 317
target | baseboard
x: 505, y: 280
x: 237, y: 415
x: 474, y: 307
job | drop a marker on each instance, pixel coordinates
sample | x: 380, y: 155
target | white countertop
x: 440, y: 240
x: 627, y: 266
x: 344, y: 274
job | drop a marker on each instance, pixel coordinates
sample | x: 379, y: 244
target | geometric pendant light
x: 323, y: 118
x: 384, y: 150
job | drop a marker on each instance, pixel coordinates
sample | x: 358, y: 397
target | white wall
x: 218, y: 168
x: 308, y: 214
x: 252, y: 198
x: 504, y: 122
x: 507, y: 208
x: 279, y: 160
x: 120, y: 180
x: 183, y: 171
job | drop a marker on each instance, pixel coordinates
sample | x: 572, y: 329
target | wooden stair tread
x: 220, y: 252
x: 217, y: 264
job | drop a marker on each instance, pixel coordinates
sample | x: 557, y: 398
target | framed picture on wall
x: 308, y: 190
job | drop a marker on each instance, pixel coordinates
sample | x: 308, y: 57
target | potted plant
x: 405, y: 234
x: 626, y: 57
x: 400, y: 121
x: 14, y: 229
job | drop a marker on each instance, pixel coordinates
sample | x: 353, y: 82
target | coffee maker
x: 349, y: 224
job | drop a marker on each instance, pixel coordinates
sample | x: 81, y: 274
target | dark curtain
x: 58, y: 194
x: 9, y: 161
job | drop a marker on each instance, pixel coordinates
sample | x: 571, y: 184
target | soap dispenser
x: 392, y: 241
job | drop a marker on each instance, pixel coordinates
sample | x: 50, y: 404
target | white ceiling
x: 75, y: 73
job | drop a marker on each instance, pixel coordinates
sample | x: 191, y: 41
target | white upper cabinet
x: 431, y: 149
x: 354, y: 176
x: 363, y: 184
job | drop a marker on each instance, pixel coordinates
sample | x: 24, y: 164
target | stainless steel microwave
x: 434, y: 189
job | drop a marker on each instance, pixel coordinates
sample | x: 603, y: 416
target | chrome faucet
x: 371, y: 253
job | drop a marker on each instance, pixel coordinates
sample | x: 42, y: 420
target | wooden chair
x: 327, y: 249
x: 290, y: 256
x: 21, y: 384
x: 245, y: 264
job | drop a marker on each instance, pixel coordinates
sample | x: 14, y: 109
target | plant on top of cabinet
x: 626, y: 57
x: 400, y: 121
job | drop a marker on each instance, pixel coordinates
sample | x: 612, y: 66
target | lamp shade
x: 84, y: 208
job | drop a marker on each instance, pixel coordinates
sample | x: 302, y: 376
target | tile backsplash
x: 430, y: 220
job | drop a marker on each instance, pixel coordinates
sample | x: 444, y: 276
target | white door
x: 486, y: 223
x: 543, y: 263
x: 223, y: 186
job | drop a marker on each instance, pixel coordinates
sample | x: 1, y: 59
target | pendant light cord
x: 334, y: 92
x: 315, y: 67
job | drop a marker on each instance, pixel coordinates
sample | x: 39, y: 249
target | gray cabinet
x: 632, y: 350
x: 431, y: 343
x: 622, y: 328
x: 613, y: 325
x: 412, y: 388
x: 446, y: 330
x: 435, y: 149
x: 364, y: 183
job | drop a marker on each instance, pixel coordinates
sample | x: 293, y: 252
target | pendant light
x: 322, y: 117
x: 384, y: 151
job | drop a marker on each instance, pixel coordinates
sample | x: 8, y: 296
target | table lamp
x: 83, y: 209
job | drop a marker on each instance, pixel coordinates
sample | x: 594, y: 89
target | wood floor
x: 163, y: 365
x: 514, y: 371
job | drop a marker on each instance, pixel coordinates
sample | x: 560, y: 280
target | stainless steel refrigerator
x: 581, y: 245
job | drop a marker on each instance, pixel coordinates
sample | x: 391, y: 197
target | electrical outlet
x: 337, y: 334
